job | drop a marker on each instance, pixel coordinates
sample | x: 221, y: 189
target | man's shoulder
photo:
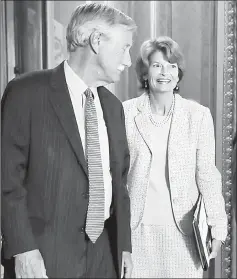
x: 27, y: 84
x: 26, y: 87
x: 31, y: 78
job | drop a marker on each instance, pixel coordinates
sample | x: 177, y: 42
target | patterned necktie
x: 95, y: 212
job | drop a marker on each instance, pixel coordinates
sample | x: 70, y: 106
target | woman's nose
x: 164, y: 70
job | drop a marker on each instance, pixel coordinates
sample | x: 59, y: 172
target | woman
x: 172, y: 149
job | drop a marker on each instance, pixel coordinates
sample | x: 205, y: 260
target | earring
x: 176, y: 88
x: 146, y: 83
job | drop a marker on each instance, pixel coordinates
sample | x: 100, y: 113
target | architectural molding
x: 228, y: 126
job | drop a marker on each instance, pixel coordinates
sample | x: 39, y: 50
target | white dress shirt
x: 77, y: 87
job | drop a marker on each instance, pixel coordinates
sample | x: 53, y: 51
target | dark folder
x: 202, y: 233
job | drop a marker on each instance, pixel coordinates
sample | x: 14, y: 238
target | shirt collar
x: 76, y: 85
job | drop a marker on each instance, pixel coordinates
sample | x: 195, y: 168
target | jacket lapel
x: 61, y: 102
x: 103, y: 94
x: 142, y: 120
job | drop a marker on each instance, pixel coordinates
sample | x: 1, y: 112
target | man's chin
x: 117, y: 77
x: 113, y: 78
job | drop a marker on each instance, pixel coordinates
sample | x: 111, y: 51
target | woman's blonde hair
x: 168, y: 47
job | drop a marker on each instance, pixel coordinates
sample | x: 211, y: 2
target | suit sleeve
x: 126, y: 200
x: 15, y: 143
x: 209, y: 179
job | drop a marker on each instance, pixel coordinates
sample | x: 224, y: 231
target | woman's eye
x: 173, y: 66
x: 157, y: 65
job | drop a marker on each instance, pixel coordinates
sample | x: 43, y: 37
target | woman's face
x: 162, y: 76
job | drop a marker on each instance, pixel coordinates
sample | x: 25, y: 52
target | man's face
x: 113, y: 53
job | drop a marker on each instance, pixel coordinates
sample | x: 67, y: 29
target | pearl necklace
x: 166, y: 118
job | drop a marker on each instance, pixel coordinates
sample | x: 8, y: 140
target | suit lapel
x: 110, y: 124
x: 61, y: 102
x: 142, y: 120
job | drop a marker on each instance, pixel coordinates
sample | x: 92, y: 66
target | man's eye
x: 173, y: 66
x: 157, y: 65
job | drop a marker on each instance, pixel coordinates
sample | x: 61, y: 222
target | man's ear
x: 94, y: 41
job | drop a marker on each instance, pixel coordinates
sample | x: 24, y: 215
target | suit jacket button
x: 82, y: 230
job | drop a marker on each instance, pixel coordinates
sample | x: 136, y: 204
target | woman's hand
x: 215, y: 248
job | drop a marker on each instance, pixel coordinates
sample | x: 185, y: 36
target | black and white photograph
x: 118, y: 139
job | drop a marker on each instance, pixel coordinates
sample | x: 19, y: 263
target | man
x: 65, y: 206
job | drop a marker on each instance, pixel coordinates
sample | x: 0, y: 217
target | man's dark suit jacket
x: 44, y: 173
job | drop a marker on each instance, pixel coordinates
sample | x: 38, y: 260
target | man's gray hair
x: 90, y: 17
